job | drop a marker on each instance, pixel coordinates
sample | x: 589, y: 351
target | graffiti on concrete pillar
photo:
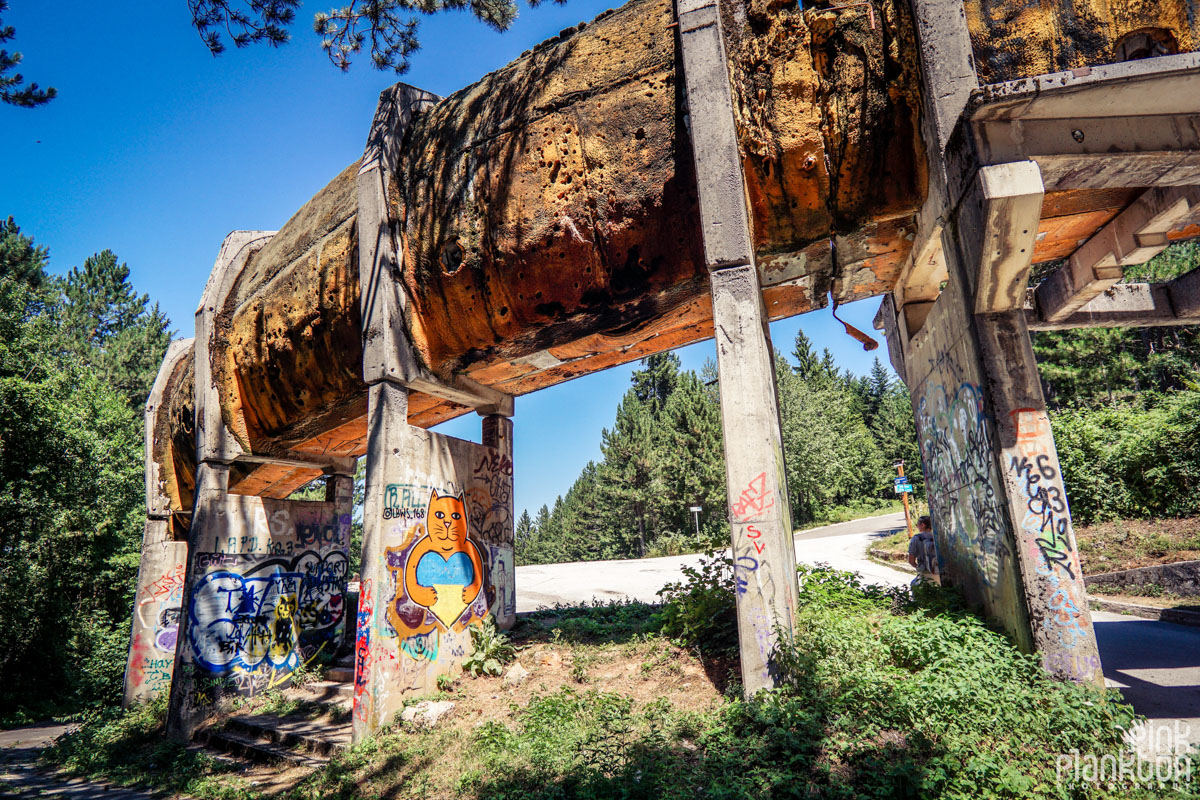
x: 489, y: 497
x: 754, y: 501
x: 439, y: 572
x: 958, y: 456
x: 444, y: 570
x: 362, y: 651
x: 1046, y: 531
x: 269, y: 598
x: 156, y: 615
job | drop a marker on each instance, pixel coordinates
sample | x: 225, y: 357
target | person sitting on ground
x: 922, y: 553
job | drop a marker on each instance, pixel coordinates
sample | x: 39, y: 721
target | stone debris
x: 516, y: 675
x: 426, y: 714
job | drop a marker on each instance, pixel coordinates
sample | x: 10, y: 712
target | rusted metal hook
x: 868, y: 343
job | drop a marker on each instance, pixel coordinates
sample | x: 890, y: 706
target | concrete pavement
x: 1156, y: 665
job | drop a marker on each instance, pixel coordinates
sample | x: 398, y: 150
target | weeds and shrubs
x: 597, y: 622
x: 491, y: 649
x: 130, y: 748
x: 699, y: 611
x: 885, y: 694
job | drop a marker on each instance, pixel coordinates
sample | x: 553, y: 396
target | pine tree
x: 13, y: 90
x: 524, y: 531
x: 106, y: 325
x: 628, y: 475
x: 21, y: 259
x: 692, y: 460
x: 808, y: 363
x: 654, y: 383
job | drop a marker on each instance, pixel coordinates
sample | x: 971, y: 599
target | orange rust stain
x: 1058, y: 237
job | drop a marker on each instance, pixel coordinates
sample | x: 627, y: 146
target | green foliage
x: 13, y: 90
x: 71, y: 479
x: 1124, y: 462
x: 490, y: 650
x: 884, y: 696
x: 1105, y: 366
x: 699, y: 611
x: 664, y: 455
x: 386, y: 28
x: 130, y: 748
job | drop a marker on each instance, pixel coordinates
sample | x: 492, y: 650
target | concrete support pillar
x: 759, y: 513
x: 996, y: 495
x: 498, y: 435
x: 154, y: 628
x: 388, y: 430
x: 437, y: 554
x: 265, y: 582
x: 765, y: 561
x: 438, y: 527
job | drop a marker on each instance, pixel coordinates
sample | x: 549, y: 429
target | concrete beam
x: 388, y: 353
x: 214, y: 440
x: 158, y: 504
x: 1135, y: 236
x: 1011, y: 196
x: 330, y: 466
x: 1130, y: 124
x: 1127, y: 305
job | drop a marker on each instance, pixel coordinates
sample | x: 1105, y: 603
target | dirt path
x: 21, y: 777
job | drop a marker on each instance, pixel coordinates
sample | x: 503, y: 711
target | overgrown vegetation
x: 129, y: 749
x: 885, y: 695
x: 77, y: 358
x: 490, y: 650
x: 1124, y: 409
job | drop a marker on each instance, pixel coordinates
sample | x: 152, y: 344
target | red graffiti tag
x: 755, y: 499
x: 755, y: 534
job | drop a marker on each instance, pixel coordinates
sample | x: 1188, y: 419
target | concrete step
x: 252, y: 749
x: 340, y: 674
x: 317, y: 737
x: 339, y: 693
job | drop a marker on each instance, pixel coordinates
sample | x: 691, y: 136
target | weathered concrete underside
x: 547, y: 214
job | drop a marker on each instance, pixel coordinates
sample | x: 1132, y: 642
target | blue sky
x: 157, y: 150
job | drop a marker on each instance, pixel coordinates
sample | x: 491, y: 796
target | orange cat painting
x: 444, y: 572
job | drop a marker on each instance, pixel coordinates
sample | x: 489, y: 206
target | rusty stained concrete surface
x: 548, y: 216
x: 1015, y: 39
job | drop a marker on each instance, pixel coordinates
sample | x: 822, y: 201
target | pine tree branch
x: 13, y: 90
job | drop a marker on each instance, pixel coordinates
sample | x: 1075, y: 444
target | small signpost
x: 696, y: 509
x: 904, y: 489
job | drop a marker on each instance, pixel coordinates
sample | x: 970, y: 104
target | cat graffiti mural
x: 439, y: 578
x: 444, y: 572
x: 444, y: 564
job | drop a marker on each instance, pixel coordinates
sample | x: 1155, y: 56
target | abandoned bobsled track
x: 659, y: 176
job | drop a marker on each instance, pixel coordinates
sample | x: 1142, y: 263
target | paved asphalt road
x: 1156, y: 665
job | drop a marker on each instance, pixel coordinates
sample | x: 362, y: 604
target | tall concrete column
x: 388, y: 430
x: 989, y: 244
x: 759, y: 515
x: 498, y: 435
x: 996, y: 494
x: 158, y: 599
x: 759, y: 512
x: 437, y: 521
